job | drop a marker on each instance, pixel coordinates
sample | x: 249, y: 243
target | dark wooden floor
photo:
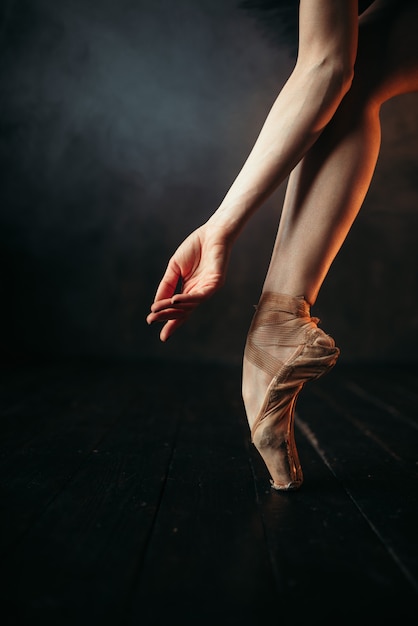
x: 132, y: 496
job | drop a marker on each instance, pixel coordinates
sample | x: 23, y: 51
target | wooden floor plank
x: 383, y: 487
x: 36, y: 466
x: 207, y: 560
x: 386, y: 425
x: 394, y: 389
x: 54, y: 398
x: 79, y: 560
x: 322, y: 547
x: 77, y: 563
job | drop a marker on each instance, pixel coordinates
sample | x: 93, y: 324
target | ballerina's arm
x: 322, y: 75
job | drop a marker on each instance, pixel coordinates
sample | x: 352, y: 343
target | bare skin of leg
x: 326, y: 190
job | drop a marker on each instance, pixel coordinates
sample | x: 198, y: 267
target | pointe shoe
x: 314, y: 354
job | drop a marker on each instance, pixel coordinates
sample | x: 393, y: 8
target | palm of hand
x: 200, y: 264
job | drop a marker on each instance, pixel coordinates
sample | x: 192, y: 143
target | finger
x: 169, y: 281
x: 169, y: 304
x: 193, y: 298
x: 164, y: 316
x: 169, y: 328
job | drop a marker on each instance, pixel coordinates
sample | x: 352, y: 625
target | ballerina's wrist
x: 226, y: 226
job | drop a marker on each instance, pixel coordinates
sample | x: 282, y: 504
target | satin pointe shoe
x: 282, y: 326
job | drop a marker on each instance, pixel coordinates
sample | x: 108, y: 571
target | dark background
x: 123, y: 123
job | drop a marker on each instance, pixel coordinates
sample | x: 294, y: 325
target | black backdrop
x: 122, y: 125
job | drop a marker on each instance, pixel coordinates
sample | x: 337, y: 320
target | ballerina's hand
x: 200, y: 262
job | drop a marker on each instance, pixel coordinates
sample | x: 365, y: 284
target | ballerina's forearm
x: 301, y: 111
